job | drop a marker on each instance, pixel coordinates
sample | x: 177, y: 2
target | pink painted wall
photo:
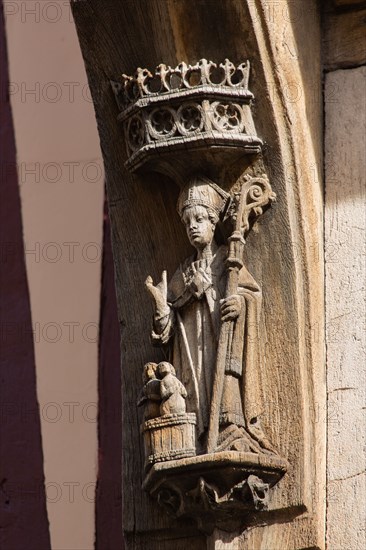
x: 61, y: 187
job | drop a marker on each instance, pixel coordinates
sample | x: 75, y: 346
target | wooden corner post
x: 210, y: 126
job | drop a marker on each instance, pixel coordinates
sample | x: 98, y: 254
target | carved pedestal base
x: 222, y: 490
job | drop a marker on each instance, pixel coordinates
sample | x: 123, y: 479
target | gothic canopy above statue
x: 195, y: 111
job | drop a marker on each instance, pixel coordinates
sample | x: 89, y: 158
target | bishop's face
x: 200, y: 229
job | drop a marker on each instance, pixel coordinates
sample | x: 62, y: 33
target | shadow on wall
x: 108, y: 495
x: 23, y: 515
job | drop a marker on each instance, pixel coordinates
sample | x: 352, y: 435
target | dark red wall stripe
x: 23, y: 514
x: 108, y: 496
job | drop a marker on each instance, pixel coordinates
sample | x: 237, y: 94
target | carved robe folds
x: 192, y: 330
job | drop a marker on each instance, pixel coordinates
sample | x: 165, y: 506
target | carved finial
x: 244, y: 68
x: 142, y: 79
x: 183, y: 70
x: 205, y: 67
x: 163, y: 72
x: 229, y: 69
x: 128, y: 89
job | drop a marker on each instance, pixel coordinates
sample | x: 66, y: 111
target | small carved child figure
x: 151, y: 397
x: 172, y: 391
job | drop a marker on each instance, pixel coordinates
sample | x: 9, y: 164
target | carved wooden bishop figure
x: 189, y: 314
x: 207, y: 457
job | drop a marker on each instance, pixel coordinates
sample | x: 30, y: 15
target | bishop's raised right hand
x: 159, y: 295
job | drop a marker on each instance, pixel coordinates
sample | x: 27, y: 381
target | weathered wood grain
x: 344, y: 39
x: 348, y: 3
x: 284, y: 250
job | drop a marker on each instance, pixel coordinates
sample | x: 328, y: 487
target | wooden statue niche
x: 207, y: 457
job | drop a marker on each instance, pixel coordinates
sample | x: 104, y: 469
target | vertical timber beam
x: 282, y: 42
